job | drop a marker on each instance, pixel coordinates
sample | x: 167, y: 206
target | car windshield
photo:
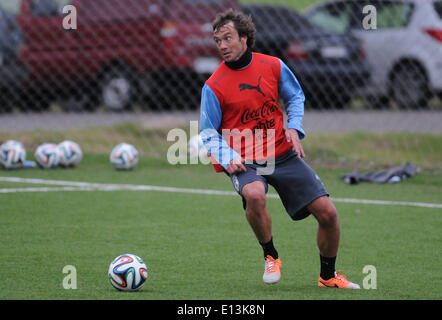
x: 393, y: 15
x: 336, y: 16
x: 344, y: 16
x: 279, y: 18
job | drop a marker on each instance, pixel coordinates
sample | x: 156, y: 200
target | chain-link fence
x: 107, y: 62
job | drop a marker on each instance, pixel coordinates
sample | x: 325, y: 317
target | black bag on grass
x: 395, y: 174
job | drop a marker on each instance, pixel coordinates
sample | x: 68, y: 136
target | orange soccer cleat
x: 339, y: 281
x: 272, y: 270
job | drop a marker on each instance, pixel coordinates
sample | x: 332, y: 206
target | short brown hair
x: 243, y: 24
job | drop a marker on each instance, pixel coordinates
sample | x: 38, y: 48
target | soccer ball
x: 12, y: 154
x: 124, y: 156
x: 47, y: 156
x: 127, y: 272
x: 196, y: 149
x: 70, y: 153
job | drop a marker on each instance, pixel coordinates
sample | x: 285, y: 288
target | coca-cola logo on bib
x: 266, y: 110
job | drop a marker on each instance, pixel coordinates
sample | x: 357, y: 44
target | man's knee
x: 255, y: 195
x: 325, y: 212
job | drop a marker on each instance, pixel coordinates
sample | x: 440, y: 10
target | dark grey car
x: 329, y: 66
x: 12, y: 73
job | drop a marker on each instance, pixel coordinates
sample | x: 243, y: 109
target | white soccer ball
x: 196, y: 149
x: 124, y: 156
x: 47, y: 156
x: 70, y: 153
x: 12, y: 154
x: 127, y: 272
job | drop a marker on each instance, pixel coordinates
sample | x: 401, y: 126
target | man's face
x: 230, y: 46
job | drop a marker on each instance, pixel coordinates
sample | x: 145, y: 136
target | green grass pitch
x: 200, y: 246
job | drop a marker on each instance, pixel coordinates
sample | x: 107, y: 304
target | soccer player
x: 242, y: 127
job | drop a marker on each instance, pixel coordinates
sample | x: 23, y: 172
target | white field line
x: 87, y: 186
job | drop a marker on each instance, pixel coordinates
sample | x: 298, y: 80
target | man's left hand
x: 293, y: 137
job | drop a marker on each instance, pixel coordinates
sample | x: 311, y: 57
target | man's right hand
x: 236, y: 165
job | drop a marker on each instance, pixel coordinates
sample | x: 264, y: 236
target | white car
x: 403, y: 44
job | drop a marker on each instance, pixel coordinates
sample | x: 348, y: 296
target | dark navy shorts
x: 295, y: 182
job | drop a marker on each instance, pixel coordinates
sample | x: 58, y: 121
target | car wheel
x: 117, y: 89
x: 409, y: 87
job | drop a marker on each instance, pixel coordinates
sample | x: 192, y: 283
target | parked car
x: 12, y: 73
x: 121, y: 51
x: 329, y: 66
x: 404, y: 49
